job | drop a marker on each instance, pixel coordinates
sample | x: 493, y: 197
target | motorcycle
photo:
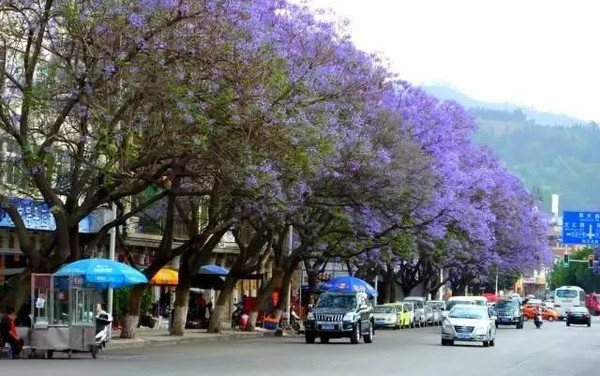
x: 236, y: 316
x: 538, y: 320
x: 103, y: 327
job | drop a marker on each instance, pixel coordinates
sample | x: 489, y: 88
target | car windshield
x: 384, y: 309
x: 408, y: 307
x: 337, y: 301
x: 566, y: 293
x: 467, y: 313
x: 507, y: 304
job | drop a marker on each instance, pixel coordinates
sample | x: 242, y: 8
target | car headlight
x: 480, y: 331
x: 349, y: 316
x: 446, y: 325
x: 516, y: 314
x: 310, y: 316
x: 390, y: 319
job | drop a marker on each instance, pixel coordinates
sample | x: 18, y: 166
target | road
x: 553, y: 350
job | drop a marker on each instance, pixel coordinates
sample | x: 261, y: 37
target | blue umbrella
x: 213, y: 270
x: 103, y: 273
x: 348, y: 284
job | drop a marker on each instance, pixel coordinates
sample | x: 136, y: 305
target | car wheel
x: 568, y: 323
x: 444, y: 342
x: 486, y: 344
x: 589, y: 324
x: 369, y: 337
x: 550, y: 318
x: 309, y: 338
x: 355, y: 335
x: 496, y: 326
x: 324, y: 339
x: 493, y: 343
x: 520, y: 325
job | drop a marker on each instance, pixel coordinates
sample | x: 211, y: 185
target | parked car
x: 579, y: 315
x: 420, y: 311
x: 509, y: 313
x: 338, y: 315
x: 436, y: 312
x: 387, y: 316
x: 529, y: 312
x: 405, y: 314
x: 410, y: 310
x: 470, y: 323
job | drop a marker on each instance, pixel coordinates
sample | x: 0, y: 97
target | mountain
x: 561, y: 158
x: 542, y: 118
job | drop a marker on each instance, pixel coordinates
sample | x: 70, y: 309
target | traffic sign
x: 581, y: 228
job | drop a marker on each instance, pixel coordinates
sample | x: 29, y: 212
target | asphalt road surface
x: 553, y: 350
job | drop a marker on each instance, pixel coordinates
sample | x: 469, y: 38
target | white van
x: 567, y: 297
x: 475, y: 300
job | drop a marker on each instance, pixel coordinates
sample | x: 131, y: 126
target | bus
x: 566, y: 297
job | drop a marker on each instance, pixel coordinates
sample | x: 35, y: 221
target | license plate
x: 464, y: 336
x: 328, y: 327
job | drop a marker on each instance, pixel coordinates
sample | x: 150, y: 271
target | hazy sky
x: 539, y: 53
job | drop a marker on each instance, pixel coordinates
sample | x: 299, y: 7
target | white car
x: 469, y: 323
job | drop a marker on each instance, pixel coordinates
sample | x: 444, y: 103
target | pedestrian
x: 209, y: 306
x: 8, y: 331
x: 202, y: 307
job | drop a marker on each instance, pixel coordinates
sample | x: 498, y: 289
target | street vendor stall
x: 62, y: 314
x: 63, y: 305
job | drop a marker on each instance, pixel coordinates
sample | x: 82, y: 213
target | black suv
x: 509, y: 312
x: 338, y: 315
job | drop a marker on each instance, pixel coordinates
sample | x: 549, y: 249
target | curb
x: 138, y: 343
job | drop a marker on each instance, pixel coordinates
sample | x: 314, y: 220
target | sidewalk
x: 151, y: 337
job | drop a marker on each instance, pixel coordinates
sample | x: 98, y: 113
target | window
x: 566, y: 294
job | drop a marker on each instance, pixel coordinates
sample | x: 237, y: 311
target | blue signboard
x: 37, y: 216
x: 581, y: 228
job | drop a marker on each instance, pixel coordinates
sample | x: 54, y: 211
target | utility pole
x: 111, y: 254
x: 289, y: 295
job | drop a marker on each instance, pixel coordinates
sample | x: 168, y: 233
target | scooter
x: 538, y: 320
x: 103, y: 325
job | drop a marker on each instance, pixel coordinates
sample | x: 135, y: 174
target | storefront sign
x: 37, y: 216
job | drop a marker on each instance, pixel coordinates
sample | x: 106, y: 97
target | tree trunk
x: 385, y: 291
x: 182, y: 296
x: 313, y: 281
x: 392, y: 290
x: 180, y: 311
x: 285, y: 292
x: 219, y: 312
x: 263, y: 297
x: 132, y: 314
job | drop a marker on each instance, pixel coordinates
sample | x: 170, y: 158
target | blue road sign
x: 581, y: 228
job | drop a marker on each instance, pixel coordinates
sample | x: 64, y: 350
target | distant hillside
x: 551, y: 153
x: 542, y: 118
x: 559, y: 159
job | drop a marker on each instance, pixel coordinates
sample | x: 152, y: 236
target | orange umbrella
x: 165, y: 277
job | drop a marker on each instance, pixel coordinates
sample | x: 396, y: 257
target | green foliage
x: 576, y: 274
x: 121, y: 300
x: 559, y: 159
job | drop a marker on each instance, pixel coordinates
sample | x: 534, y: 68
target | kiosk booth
x: 62, y: 315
